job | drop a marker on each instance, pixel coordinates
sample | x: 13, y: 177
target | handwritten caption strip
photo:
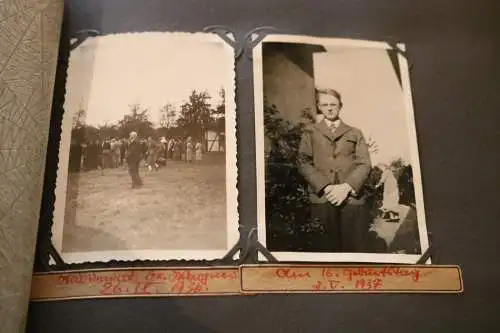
x: 352, y: 279
x: 135, y: 283
x: 247, y: 279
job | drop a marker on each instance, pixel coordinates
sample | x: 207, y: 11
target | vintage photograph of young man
x: 147, y: 159
x: 337, y: 159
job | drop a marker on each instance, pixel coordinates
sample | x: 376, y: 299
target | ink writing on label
x: 188, y: 287
x: 138, y: 288
x: 146, y: 282
x: 327, y: 285
x: 156, y: 276
x: 192, y: 281
x: 287, y: 273
x: 95, y: 278
x: 346, y: 278
x: 355, y: 272
x: 368, y: 284
x: 202, y: 276
x: 328, y: 273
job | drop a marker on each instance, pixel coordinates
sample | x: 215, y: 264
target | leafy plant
x: 289, y: 225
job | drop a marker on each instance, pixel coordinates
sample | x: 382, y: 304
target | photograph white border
x: 260, y: 155
x: 232, y: 216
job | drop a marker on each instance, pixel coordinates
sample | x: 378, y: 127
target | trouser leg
x: 329, y: 217
x: 354, y: 225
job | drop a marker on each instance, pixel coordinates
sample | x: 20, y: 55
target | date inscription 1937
x: 345, y: 278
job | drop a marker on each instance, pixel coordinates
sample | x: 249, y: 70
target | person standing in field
x: 176, y: 150
x: 183, y: 145
x: 107, y: 160
x: 170, y: 148
x: 152, y: 151
x: 163, y: 151
x: 134, y: 157
x: 189, y: 150
x: 157, y: 154
x: 115, y: 152
x: 123, y: 150
x: 198, y: 151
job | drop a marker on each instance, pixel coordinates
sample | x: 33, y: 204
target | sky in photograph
x: 107, y: 74
x: 372, y: 96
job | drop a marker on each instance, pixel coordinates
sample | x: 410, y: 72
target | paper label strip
x: 135, y: 283
x: 257, y: 279
x: 245, y: 280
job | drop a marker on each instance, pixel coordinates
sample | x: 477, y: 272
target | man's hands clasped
x: 337, y: 194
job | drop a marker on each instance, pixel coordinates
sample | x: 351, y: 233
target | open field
x: 181, y: 206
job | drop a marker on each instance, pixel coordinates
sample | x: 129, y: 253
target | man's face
x: 329, y: 106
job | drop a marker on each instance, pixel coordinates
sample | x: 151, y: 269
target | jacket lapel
x: 332, y: 136
x: 341, y: 130
x: 324, y: 129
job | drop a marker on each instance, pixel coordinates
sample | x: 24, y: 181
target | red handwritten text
x: 287, y: 273
x: 145, y: 282
x: 327, y: 285
x: 138, y: 288
x: 95, y: 278
x: 355, y: 272
x: 368, y: 284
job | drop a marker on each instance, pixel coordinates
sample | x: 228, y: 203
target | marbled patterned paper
x: 29, y: 38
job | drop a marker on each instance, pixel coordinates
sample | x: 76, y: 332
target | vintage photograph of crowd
x: 337, y: 158
x: 147, y: 159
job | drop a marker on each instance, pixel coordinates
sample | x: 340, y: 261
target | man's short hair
x: 329, y: 91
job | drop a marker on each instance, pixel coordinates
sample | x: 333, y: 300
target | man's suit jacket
x: 327, y: 157
x: 134, y: 153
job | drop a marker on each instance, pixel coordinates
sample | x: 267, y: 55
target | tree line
x: 192, y: 118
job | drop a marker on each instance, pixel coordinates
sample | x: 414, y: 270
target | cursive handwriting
x: 192, y: 282
x: 287, y: 273
x: 351, y: 273
x: 145, y: 282
x: 202, y: 276
x: 139, y: 288
x: 369, y: 284
x: 327, y: 285
x: 95, y: 278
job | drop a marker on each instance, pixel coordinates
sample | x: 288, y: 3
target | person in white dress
x: 198, y: 152
x: 390, y: 202
x: 189, y: 150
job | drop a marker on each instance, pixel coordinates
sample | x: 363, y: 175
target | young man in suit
x: 335, y: 162
x: 134, y: 157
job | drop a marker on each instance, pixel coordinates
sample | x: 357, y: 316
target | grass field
x: 181, y: 206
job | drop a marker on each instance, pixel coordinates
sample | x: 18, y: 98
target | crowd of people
x: 111, y: 152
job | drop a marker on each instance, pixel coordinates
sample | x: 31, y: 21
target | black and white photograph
x: 338, y: 170
x: 147, y: 158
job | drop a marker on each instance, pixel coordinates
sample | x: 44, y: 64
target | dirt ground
x: 181, y: 206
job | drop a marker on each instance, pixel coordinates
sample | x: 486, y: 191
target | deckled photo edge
x: 232, y: 215
x: 258, y: 82
x: 231, y: 174
x: 260, y: 158
x: 63, y: 165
